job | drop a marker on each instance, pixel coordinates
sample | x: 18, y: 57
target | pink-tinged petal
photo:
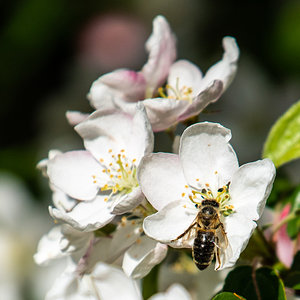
x: 75, y: 117
x: 250, y: 187
x: 86, y: 215
x: 108, y: 249
x: 126, y: 202
x: 206, y: 156
x: 284, y: 245
x: 226, y: 68
x: 238, y: 230
x: 164, y: 112
x: 161, y: 46
x: 184, y: 74
x: 73, y: 172
x: 112, y: 283
x: 122, y: 83
x: 174, y: 292
x: 49, y: 248
x: 161, y: 179
x: 209, y: 95
x: 170, y: 222
x: 141, y: 257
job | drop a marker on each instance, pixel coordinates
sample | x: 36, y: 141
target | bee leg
x: 183, y: 234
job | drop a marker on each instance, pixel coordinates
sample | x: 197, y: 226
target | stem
x: 253, y: 274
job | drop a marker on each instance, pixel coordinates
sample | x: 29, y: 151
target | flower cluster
x: 117, y: 202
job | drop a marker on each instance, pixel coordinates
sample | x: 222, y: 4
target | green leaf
x: 264, y: 283
x: 228, y: 296
x: 293, y: 226
x: 296, y: 262
x: 293, y: 280
x: 283, y: 142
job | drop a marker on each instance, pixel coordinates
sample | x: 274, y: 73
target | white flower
x: 106, y: 283
x: 187, y: 93
x: 133, y: 86
x: 206, y: 167
x: 100, y: 182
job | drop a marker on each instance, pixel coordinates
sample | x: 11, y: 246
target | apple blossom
x: 206, y: 167
x: 187, y: 91
x: 100, y: 182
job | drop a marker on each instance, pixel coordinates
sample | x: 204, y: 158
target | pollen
x: 207, y: 184
x: 105, y: 199
x: 216, y: 172
x: 94, y: 181
x: 132, y: 222
x: 183, y: 194
x: 197, y: 179
x: 184, y: 206
x: 94, y: 176
x: 134, y: 160
x: 101, y: 160
x: 186, y: 186
x: 122, y: 150
x: 138, y: 241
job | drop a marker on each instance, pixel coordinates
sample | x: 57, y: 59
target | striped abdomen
x: 203, y: 248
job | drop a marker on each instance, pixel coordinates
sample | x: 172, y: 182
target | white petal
x: 72, y: 173
x: 170, y: 222
x: 162, y: 52
x: 112, y: 283
x: 206, y: 155
x: 141, y: 257
x: 226, y: 68
x: 85, y: 216
x: 108, y: 249
x: 75, y: 117
x: 116, y: 130
x: 122, y: 83
x: 184, y: 73
x: 238, y: 230
x: 127, y: 202
x: 61, y: 200
x: 164, y: 112
x: 210, y: 94
x: 174, y: 292
x: 42, y: 165
x: 48, y: 247
x: 161, y: 179
x: 250, y: 187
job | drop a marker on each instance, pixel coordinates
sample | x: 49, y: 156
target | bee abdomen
x: 203, y: 248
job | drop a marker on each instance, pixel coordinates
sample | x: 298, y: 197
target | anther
x: 220, y: 190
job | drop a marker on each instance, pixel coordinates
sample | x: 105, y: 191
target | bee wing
x: 223, y: 248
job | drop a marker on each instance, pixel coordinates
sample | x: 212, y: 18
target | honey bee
x: 210, y: 236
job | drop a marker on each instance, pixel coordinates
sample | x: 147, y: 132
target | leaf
x: 264, y: 282
x: 296, y: 262
x: 283, y: 143
x: 293, y: 226
x: 228, y: 296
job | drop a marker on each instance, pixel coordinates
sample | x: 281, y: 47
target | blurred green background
x: 52, y: 50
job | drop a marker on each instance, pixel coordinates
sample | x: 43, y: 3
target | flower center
x: 177, y: 92
x: 120, y: 174
x: 222, y: 197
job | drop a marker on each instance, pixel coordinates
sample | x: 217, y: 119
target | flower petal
x: 122, y: 83
x: 161, y: 179
x: 226, y: 68
x: 206, y: 156
x: 112, y: 283
x: 108, y: 249
x: 174, y: 292
x: 238, y: 230
x: 85, y: 216
x: 184, y: 73
x: 250, y: 187
x: 142, y: 256
x: 75, y: 117
x: 164, y: 112
x: 161, y: 46
x: 209, y: 95
x: 170, y: 222
x: 113, y: 130
x: 48, y: 247
x: 72, y: 173
x: 127, y: 202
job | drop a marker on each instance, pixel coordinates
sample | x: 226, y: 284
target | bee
x: 210, y: 236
